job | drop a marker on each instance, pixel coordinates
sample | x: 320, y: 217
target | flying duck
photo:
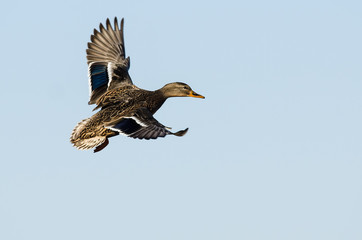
x: 124, y: 108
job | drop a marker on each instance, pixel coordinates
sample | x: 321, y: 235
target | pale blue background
x: 273, y: 152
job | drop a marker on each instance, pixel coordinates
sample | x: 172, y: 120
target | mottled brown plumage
x: 124, y: 108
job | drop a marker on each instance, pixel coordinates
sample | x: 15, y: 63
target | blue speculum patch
x: 127, y: 125
x: 99, y: 75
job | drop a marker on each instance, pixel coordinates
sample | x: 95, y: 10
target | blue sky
x: 273, y: 152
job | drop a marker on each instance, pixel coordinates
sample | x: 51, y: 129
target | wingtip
x: 108, y: 24
x: 95, y: 32
x: 181, y: 132
x: 115, y: 22
x: 101, y: 28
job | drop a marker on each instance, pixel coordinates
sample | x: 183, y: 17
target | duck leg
x: 103, y: 145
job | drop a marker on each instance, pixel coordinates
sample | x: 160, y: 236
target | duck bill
x: 196, y: 95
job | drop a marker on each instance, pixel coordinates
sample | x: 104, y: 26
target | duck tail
x: 83, y: 138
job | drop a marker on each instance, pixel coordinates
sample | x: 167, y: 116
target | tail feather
x: 82, y: 137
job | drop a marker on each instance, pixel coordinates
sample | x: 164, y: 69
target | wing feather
x: 106, y: 49
x: 142, y: 125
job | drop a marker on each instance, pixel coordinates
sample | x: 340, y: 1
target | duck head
x: 179, y: 89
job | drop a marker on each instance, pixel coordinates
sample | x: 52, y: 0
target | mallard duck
x: 124, y: 108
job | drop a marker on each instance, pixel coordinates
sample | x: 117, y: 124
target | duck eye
x: 185, y: 87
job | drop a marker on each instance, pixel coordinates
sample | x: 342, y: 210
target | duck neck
x: 156, y: 101
x: 162, y: 94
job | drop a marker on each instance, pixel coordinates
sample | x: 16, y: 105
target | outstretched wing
x: 107, y: 64
x: 142, y: 125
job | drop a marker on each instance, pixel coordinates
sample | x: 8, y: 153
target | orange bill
x: 196, y: 95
